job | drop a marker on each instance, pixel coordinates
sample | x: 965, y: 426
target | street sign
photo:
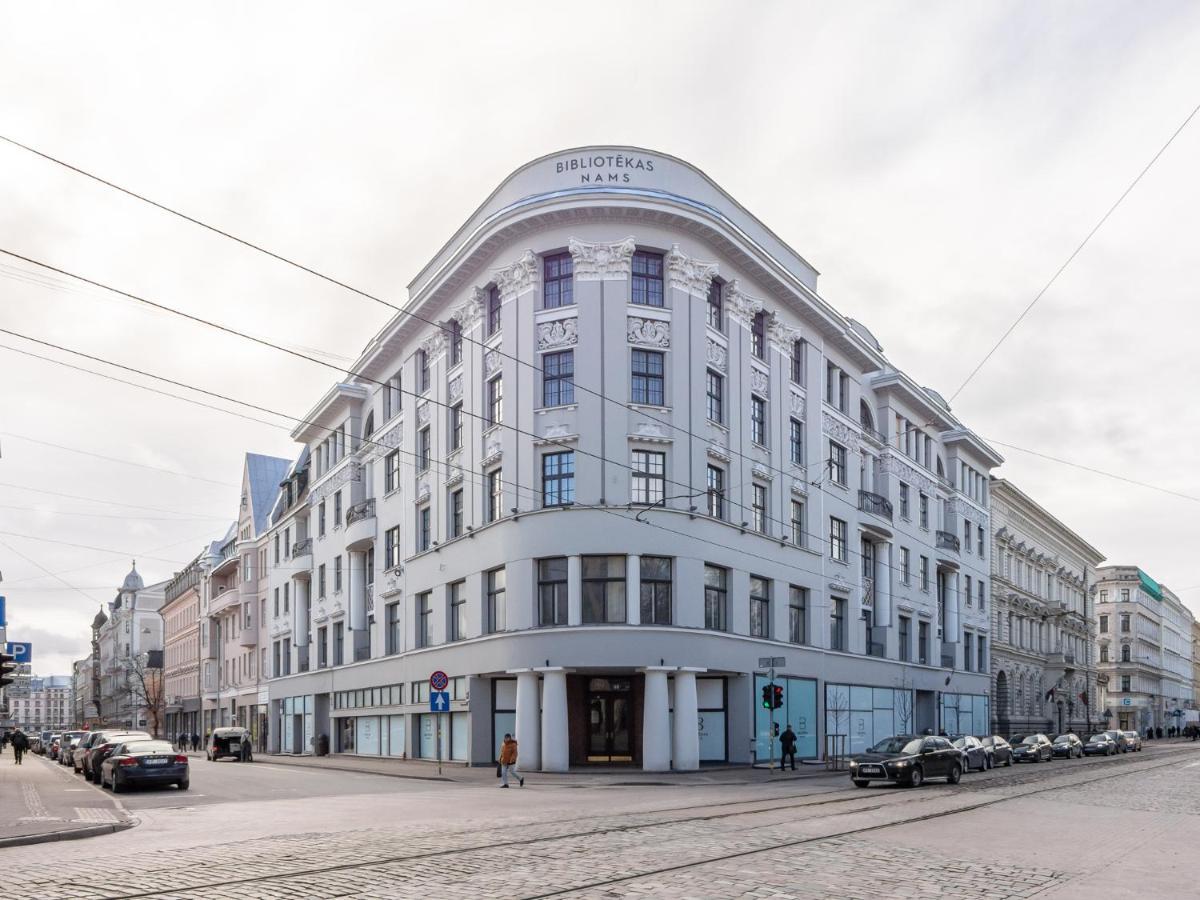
x: 439, y: 701
x: 3, y: 619
x: 438, y: 681
x: 1126, y: 701
x: 22, y: 653
x: 772, y: 662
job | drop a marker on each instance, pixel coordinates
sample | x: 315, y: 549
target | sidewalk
x: 42, y: 801
x: 424, y: 770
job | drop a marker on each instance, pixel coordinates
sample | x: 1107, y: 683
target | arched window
x: 369, y: 426
x: 865, y: 419
x: 1104, y: 653
x: 1124, y: 653
x: 1001, y: 693
x: 941, y: 470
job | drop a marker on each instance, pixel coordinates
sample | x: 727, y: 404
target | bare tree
x: 147, y: 689
x: 837, y: 703
x: 904, y: 706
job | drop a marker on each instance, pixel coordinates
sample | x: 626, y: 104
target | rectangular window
x: 968, y: 648
x: 1103, y: 594
x: 649, y: 476
x: 276, y: 548
x: 796, y: 442
x: 423, y: 451
x: 456, y: 423
x: 320, y: 583
x: 424, y: 532
x: 837, y: 539
x: 277, y: 603
x: 924, y: 573
x: 647, y: 279
x: 552, y: 591
x: 655, y: 590
x: 979, y: 537
x: 798, y: 615
x: 759, y: 508
x: 758, y: 420
x: 904, y: 511
x: 1124, y: 595
x: 392, y: 396
x: 966, y: 536
x: 495, y: 496
x: 716, y: 599
x: 716, y: 492
x: 392, y: 624
x: 716, y: 316
x: 758, y: 335
x: 1126, y: 680
x: 558, y: 479
x: 715, y: 396
x: 424, y: 612
x: 557, y: 272
x: 286, y: 598
x: 456, y: 513
x: 495, y: 401
x: 1125, y: 622
x: 603, y: 589
x: 391, y: 547
x: 760, y: 606
x: 1103, y: 624
x: 337, y: 574
x: 924, y: 504
x: 837, y: 463
x: 339, y: 643
x: 837, y: 623
x: 646, y: 377
x: 391, y: 474
x: 798, y: 530
x: 458, y: 610
x: 923, y: 643
x: 321, y: 519
x: 493, y: 310
x: 494, y: 605
x: 905, y: 639
x: 422, y: 371
x: 337, y: 510
x: 558, y: 378
x: 454, y: 339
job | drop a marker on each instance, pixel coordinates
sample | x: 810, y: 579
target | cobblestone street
x: 1014, y: 834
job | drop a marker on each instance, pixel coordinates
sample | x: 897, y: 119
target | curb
x: 69, y: 835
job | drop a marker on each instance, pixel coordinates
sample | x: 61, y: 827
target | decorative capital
x: 517, y: 278
x: 782, y: 336
x: 601, y: 261
x: 470, y: 312
x: 649, y: 332
x: 689, y: 275
x: 434, y: 345
x: 742, y: 308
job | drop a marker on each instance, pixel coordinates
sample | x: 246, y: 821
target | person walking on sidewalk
x: 508, y: 762
x: 787, y: 744
x: 195, y: 741
x: 20, y: 745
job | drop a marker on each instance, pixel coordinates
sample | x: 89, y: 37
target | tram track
x: 863, y: 802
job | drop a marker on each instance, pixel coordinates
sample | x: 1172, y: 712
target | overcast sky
x: 936, y: 162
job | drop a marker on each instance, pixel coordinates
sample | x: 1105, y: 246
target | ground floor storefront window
x: 453, y: 737
x: 296, y: 724
x: 799, y: 710
x: 865, y: 715
x: 965, y: 713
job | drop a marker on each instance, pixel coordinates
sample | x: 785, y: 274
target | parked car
x: 973, y: 754
x: 36, y: 744
x: 64, y: 744
x: 1068, y: 746
x: 907, y: 759
x: 1034, y: 748
x: 1100, y: 744
x: 103, y: 747
x: 137, y: 762
x: 81, y: 748
x: 229, y: 742
x: 1121, y: 740
x: 1134, y: 739
x: 67, y: 750
x: 999, y: 751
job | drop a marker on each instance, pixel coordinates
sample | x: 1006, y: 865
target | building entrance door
x: 608, y: 707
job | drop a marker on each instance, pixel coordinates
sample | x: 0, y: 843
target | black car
x: 103, y: 746
x: 999, y: 750
x: 1034, y: 748
x: 973, y: 753
x: 907, y: 759
x: 1068, y: 746
x: 144, y: 762
x: 1100, y: 744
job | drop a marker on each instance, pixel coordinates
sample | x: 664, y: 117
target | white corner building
x: 615, y: 458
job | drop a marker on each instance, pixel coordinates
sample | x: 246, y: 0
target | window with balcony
x: 557, y: 280
x: 760, y: 606
x: 646, y: 382
x: 648, y: 476
x: 647, y: 279
x: 558, y: 378
x: 558, y: 478
x: 716, y: 598
x: 552, y: 591
x: 655, y: 590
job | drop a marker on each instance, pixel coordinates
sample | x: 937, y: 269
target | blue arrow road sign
x: 439, y: 701
x: 3, y: 620
x: 22, y: 653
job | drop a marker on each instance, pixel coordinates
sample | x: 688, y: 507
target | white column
x: 656, y: 736
x: 358, y: 591
x: 529, y: 720
x: 556, y: 755
x: 883, y: 584
x: 633, y: 589
x: 574, y: 591
x: 687, y: 725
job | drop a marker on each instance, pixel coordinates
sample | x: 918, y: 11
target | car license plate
x: 870, y: 770
x: 235, y: 746
x: 155, y: 761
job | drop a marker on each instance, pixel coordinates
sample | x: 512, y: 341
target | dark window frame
x: 558, y: 280
x: 647, y: 287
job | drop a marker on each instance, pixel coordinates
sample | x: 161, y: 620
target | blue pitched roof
x: 264, y: 474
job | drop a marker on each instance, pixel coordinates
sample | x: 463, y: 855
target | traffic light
x: 776, y: 696
x: 8, y: 664
x: 768, y: 697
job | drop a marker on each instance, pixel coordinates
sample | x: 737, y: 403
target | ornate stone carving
x: 892, y: 464
x: 391, y: 582
x: 799, y: 487
x: 390, y: 439
x: 650, y: 431
x: 719, y: 451
x: 348, y: 473
x: 555, y: 432
x: 423, y: 414
x: 761, y: 471
x: 423, y: 489
x: 687, y: 274
x: 491, y: 445
x: 455, y: 389
x: 558, y: 333
x: 649, y: 332
x: 491, y: 362
x: 782, y: 336
x: 841, y: 432
x: 797, y: 406
x: 434, y: 345
x: 717, y: 356
x: 601, y: 262
x: 741, y: 307
x: 760, y: 382
x: 517, y: 278
x: 470, y: 312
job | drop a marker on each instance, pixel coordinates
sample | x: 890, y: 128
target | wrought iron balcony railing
x: 944, y: 540
x: 875, y: 503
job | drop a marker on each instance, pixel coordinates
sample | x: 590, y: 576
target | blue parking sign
x: 22, y: 653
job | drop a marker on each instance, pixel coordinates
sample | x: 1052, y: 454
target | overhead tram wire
x: 24, y: 487
x: 143, y: 555
x: 34, y: 562
x: 43, y: 540
x: 1074, y: 253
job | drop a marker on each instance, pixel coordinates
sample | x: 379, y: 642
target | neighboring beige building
x: 181, y: 656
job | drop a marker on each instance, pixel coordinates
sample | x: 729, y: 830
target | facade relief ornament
x: 491, y: 445
x: 515, y: 279
x: 797, y: 401
x: 799, y: 487
x: 434, y: 345
x: 650, y: 431
x: 760, y: 382
x: 455, y: 389
x: 423, y: 414
x: 558, y: 333
x: 719, y: 451
x: 783, y: 336
x: 717, y: 356
x: 491, y: 362
x: 841, y: 432
x: 741, y: 307
x: 689, y: 275
x: 893, y: 465
x: 470, y: 312
x: 649, y: 332
x: 423, y: 489
x: 761, y: 471
x: 601, y: 262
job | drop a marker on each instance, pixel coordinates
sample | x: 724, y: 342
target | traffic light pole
x: 771, y: 763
